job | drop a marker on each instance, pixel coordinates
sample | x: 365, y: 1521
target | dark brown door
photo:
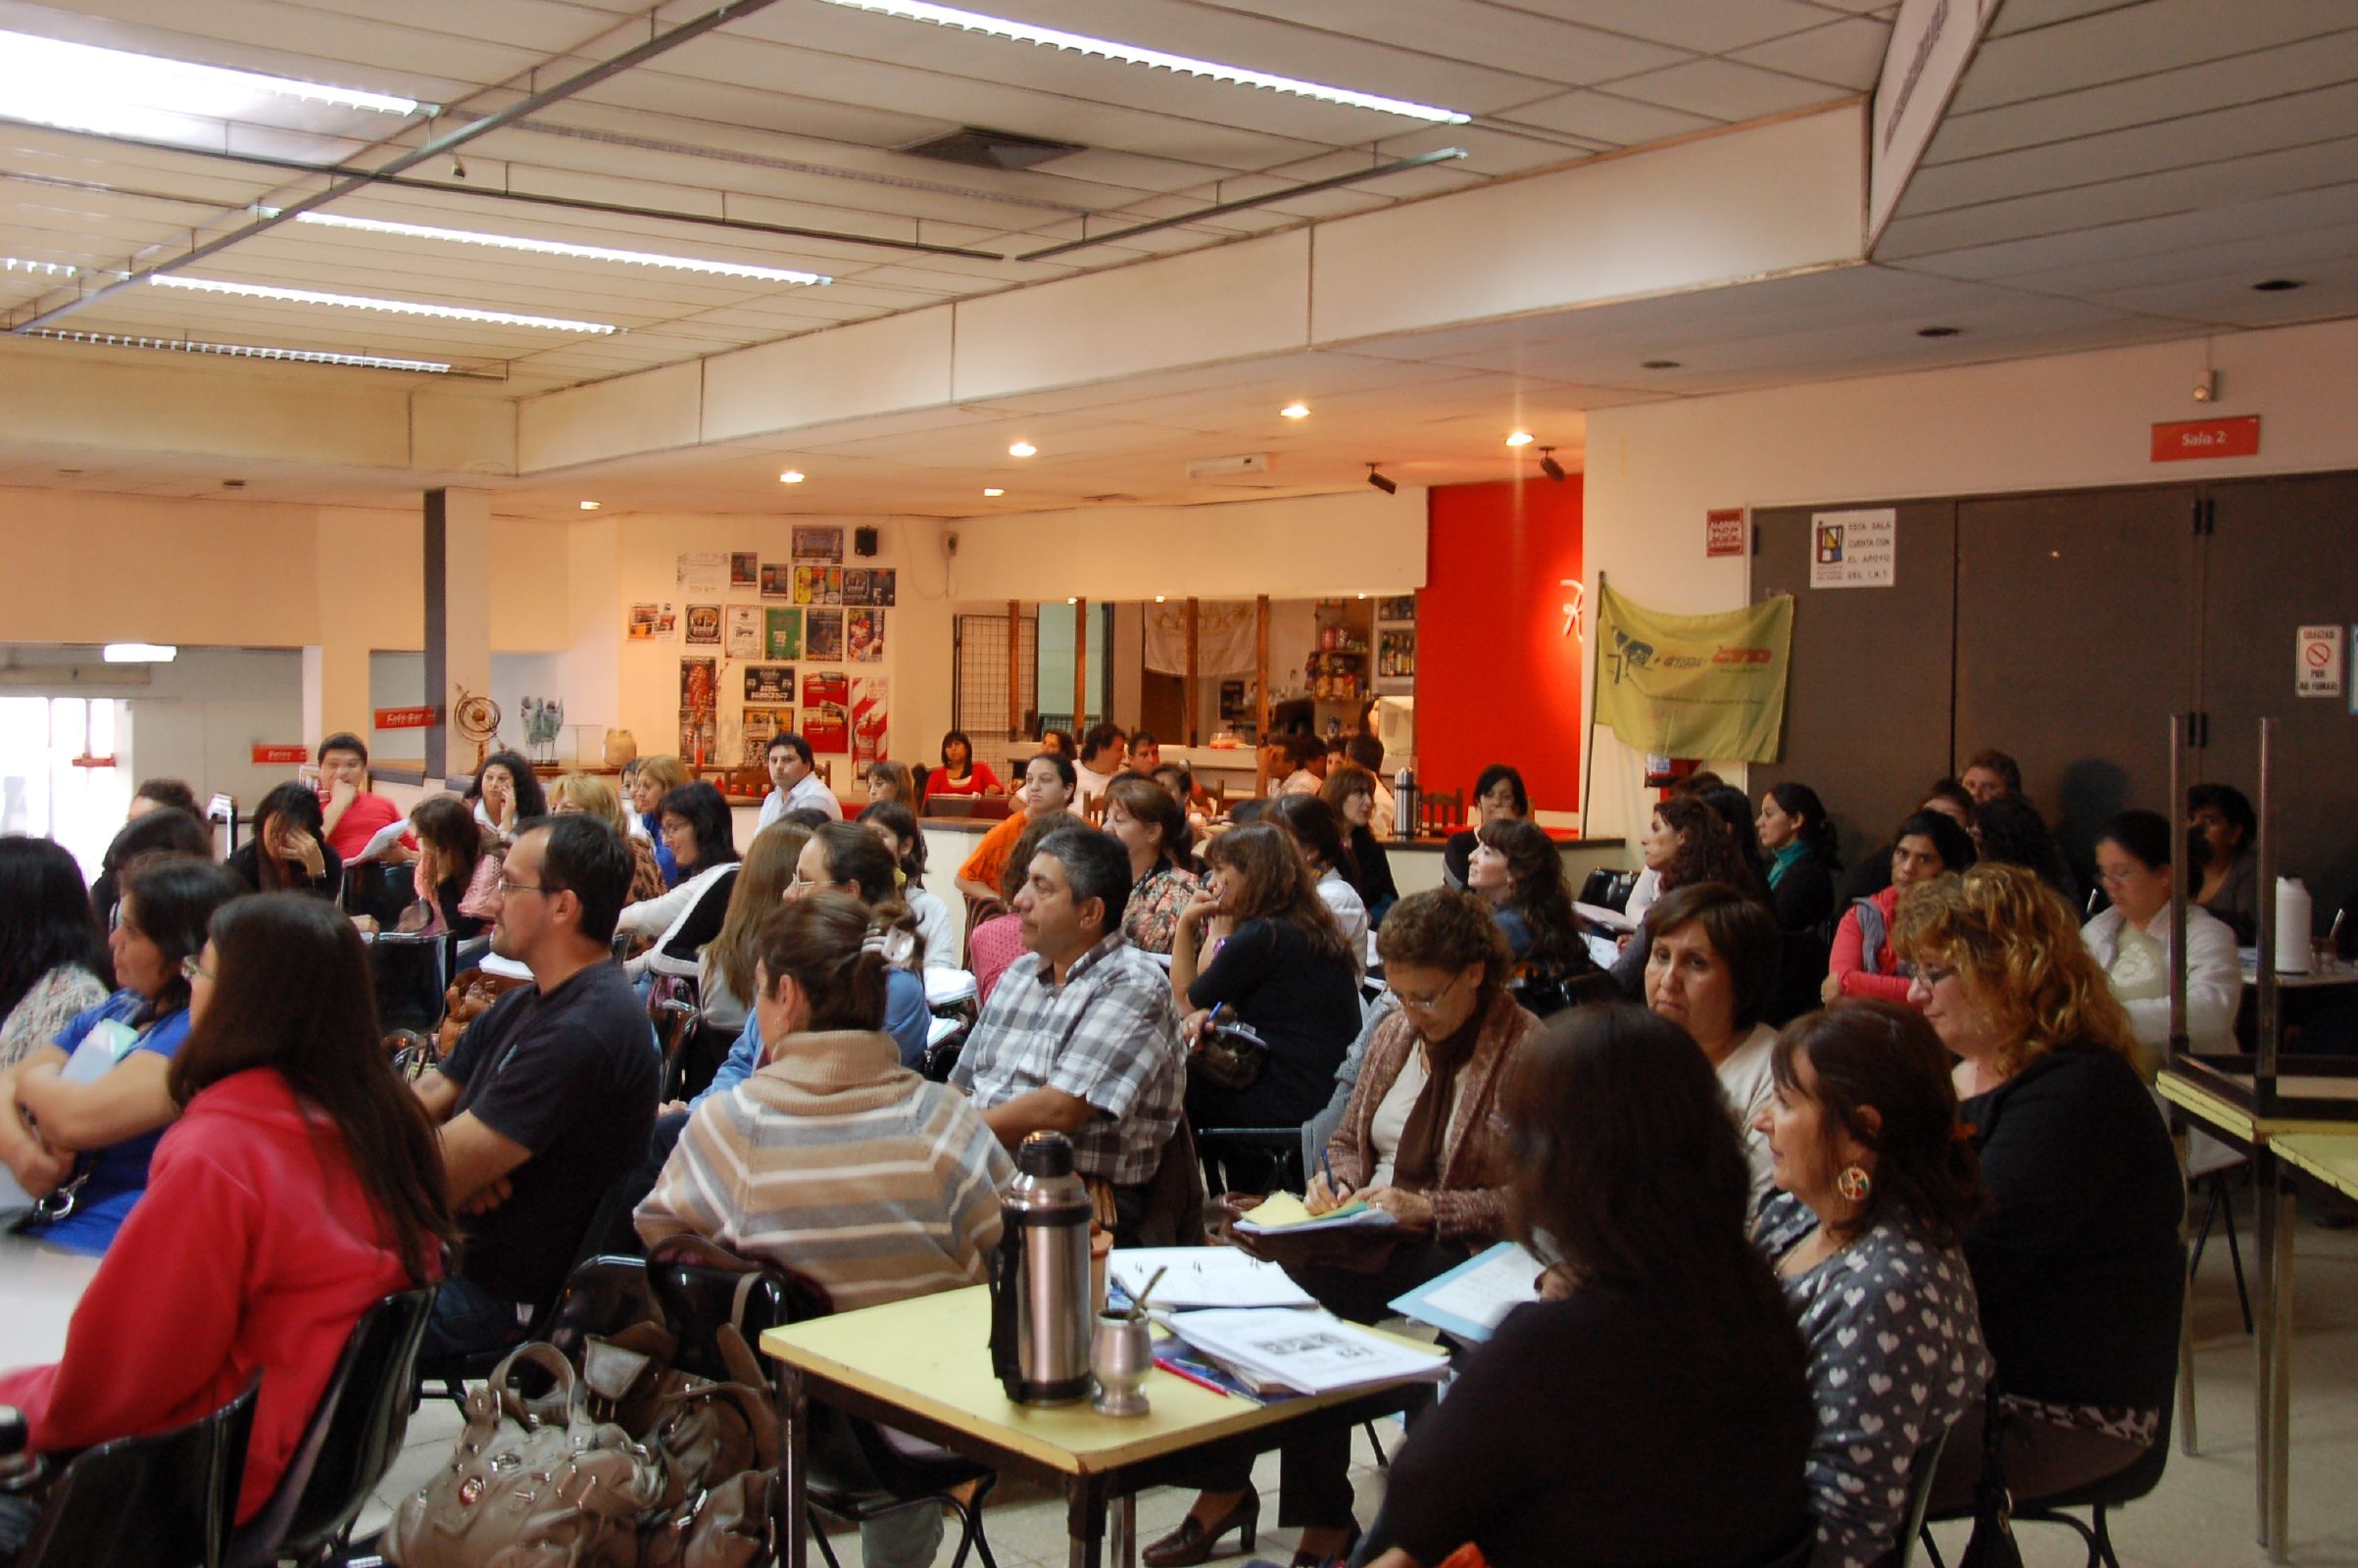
x: 2282, y: 554
x: 1867, y: 710
x: 2074, y: 646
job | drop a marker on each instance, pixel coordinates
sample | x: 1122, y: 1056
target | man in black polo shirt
x: 549, y: 1093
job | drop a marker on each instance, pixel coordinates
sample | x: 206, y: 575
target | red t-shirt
x: 366, y: 817
x: 978, y: 779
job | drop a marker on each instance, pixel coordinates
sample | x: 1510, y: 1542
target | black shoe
x: 1193, y: 1542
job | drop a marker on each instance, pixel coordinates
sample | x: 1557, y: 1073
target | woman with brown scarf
x: 1420, y: 1140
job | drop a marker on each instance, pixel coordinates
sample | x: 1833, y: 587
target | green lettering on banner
x: 1703, y: 686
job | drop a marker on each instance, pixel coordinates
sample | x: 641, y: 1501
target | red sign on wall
x: 2189, y: 439
x: 1723, y: 532
x: 407, y: 718
x: 264, y: 754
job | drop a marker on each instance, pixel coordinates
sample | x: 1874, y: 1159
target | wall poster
x: 649, y: 624
x: 870, y: 585
x: 744, y: 569
x: 704, y: 573
x: 769, y: 685
x: 704, y: 625
x: 744, y: 631
x: 818, y: 544
x: 871, y: 718
x: 823, y: 633
x: 777, y: 579
x: 826, y: 721
x: 818, y: 585
x: 864, y: 635
x: 756, y: 731
x: 699, y: 686
x: 782, y: 634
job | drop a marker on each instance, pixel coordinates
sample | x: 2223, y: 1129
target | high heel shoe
x: 1193, y: 1542
x: 1350, y: 1543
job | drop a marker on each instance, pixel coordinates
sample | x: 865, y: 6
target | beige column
x: 335, y: 688
x: 458, y: 624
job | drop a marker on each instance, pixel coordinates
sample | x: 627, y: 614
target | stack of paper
x: 1286, y: 1212
x: 1472, y: 1299
x: 1205, y: 1276
x: 1310, y: 1353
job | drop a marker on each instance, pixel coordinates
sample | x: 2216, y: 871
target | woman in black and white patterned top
x: 1878, y: 1188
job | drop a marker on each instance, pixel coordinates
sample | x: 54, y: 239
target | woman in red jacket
x: 299, y: 1186
x: 1863, y: 963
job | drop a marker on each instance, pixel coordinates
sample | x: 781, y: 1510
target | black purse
x: 1992, y: 1544
x: 1229, y: 1055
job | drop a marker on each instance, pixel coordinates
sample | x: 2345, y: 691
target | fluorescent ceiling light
x: 18, y: 263
x: 1131, y: 53
x: 550, y: 247
x: 1021, y: 448
x: 790, y: 476
x: 139, y: 652
x: 590, y: 506
x: 1295, y: 411
x: 1521, y: 438
x: 993, y: 490
x: 247, y: 351
x: 83, y: 87
x: 365, y: 302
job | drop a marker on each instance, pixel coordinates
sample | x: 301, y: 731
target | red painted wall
x: 1498, y: 680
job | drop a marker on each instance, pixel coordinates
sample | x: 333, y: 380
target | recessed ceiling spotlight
x: 1021, y: 448
x: 2276, y: 285
x: 1657, y: 364
x: 1520, y: 438
x: 790, y: 476
x: 1295, y: 410
x: 993, y: 490
x: 1072, y: 598
x: 1939, y: 331
x: 1159, y: 598
x: 590, y: 506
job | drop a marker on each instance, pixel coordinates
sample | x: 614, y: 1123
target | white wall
x: 2070, y: 421
x: 198, y: 717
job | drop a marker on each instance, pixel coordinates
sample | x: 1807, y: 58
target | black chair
x: 1252, y: 1160
x: 2116, y: 1490
x: 165, y: 1500
x: 351, y: 1441
x: 1922, y: 1471
x: 674, y: 1022
x: 603, y: 1295
x: 2221, y: 1208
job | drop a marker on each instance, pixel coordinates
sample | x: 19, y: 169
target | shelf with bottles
x: 1395, y: 654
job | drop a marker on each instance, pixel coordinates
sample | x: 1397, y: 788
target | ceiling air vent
x: 993, y: 149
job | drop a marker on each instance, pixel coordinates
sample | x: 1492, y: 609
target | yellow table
x: 924, y: 1367
x: 2327, y: 1160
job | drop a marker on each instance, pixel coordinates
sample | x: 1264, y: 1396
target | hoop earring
x: 1854, y: 1184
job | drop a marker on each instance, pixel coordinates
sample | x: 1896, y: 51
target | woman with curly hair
x: 1284, y: 972
x: 1517, y: 870
x: 1686, y: 843
x: 2077, y: 1258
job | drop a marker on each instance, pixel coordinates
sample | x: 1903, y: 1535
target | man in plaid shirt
x: 1080, y: 1036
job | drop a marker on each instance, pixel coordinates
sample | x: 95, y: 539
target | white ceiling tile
x: 1726, y: 90
x: 1604, y: 118
x: 1847, y: 53
x: 1709, y: 27
x: 2135, y: 41
x: 1499, y: 35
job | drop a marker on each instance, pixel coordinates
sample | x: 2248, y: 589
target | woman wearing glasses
x: 2130, y: 941
x: 1422, y: 1139
x: 81, y: 1147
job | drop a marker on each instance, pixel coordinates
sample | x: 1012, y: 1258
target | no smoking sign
x: 2317, y: 662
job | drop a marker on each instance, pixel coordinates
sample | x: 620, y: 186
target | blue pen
x: 1326, y: 1163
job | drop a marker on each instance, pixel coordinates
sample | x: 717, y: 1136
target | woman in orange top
x: 1047, y: 785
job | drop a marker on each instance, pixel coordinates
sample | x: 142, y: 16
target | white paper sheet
x: 1312, y: 1353
x: 1472, y: 1299
x: 1206, y: 1276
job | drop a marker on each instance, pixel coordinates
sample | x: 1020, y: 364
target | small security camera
x: 2206, y: 387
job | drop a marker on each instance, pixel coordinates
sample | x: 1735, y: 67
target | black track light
x: 1549, y: 466
x: 1388, y: 486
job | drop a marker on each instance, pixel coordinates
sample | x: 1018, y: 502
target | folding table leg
x: 1085, y: 1520
x: 791, y: 1517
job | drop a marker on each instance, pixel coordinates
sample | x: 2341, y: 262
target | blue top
x: 1785, y: 860
x: 906, y: 1018
x: 664, y: 860
x: 117, y: 1173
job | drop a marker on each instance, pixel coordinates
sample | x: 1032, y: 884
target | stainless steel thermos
x: 1040, y: 1297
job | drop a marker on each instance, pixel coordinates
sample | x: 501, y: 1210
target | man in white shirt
x: 1103, y: 755
x: 1368, y: 753
x: 797, y: 784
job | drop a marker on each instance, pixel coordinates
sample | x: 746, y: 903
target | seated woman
x: 1943, y: 796
x: 164, y: 830
x: 586, y: 792
x: 2132, y: 943
x: 1499, y: 796
x: 52, y: 948
x: 959, y: 773
x: 1802, y: 854
x: 998, y: 942
x: 699, y: 833
x: 1194, y: 799
x: 1518, y: 872
x: 1421, y: 1140
x: 1710, y: 962
x: 724, y: 965
x: 1653, y: 1407
x: 2076, y: 1258
x: 458, y: 871
x: 656, y: 777
x: 1878, y: 1191
x: 288, y: 850
x: 506, y: 792
x: 1047, y: 794
x: 1318, y: 838
x: 1283, y: 972
x: 1350, y: 792
x: 1684, y: 843
x: 1863, y: 961
x: 300, y: 1185
x: 2229, y: 828
x: 895, y: 826
x: 762, y: 1171
x: 2007, y: 830
x: 84, y: 1148
x: 891, y: 781
x: 846, y: 858
x: 1147, y: 819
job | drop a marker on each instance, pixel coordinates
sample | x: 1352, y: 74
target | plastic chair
x: 353, y: 1438
x: 165, y: 1500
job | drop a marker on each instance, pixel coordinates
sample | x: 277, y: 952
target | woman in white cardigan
x: 2130, y: 941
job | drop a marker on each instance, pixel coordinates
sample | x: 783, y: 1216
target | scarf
x: 1416, y: 1164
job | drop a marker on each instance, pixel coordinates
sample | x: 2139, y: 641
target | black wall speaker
x: 863, y: 541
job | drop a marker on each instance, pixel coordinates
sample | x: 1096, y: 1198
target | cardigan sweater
x: 1861, y: 972
x: 1469, y: 1200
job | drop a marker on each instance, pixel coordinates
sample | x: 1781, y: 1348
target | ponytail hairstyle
x: 835, y: 950
x: 1799, y: 801
x: 856, y: 856
x: 896, y: 819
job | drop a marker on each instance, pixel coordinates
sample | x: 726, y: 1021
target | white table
x: 39, y: 1287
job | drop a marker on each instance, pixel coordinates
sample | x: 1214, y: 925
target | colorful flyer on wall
x: 704, y: 573
x: 744, y: 631
x: 697, y: 742
x: 777, y: 579
x: 744, y: 569
x: 871, y: 718
x: 782, y: 634
x: 818, y: 544
x: 823, y: 633
x: 704, y: 625
x: 855, y: 585
x: 818, y: 585
x: 754, y: 731
x: 884, y: 586
x: 826, y: 686
x: 699, y: 686
x: 643, y: 621
x: 864, y: 635
x: 769, y: 685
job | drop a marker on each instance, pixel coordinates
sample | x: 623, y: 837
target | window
x: 58, y: 777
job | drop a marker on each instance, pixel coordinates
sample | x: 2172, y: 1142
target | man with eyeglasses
x: 548, y: 1094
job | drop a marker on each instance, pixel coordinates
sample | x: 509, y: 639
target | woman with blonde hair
x: 590, y: 794
x: 2076, y: 1258
x: 656, y: 777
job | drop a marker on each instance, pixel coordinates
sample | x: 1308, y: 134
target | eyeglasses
x: 193, y: 970
x: 509, y: 886
x: 1411, y: 1003
x: 2114, y: 879
x: 1932, y: 974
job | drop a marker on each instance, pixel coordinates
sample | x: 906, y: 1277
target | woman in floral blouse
x: 1145, y: 819
x: 51, y: 948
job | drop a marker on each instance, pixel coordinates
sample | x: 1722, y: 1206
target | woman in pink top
x: 1929, y: 844
x: 997, y: 943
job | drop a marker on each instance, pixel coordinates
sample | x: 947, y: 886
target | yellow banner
x: 1711, y: 687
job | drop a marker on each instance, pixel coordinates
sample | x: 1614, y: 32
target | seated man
x: 1103, y: 755
x: 1080, y: 1036
x: 1306, y: 759
x: 549, y: 1093
x: 353, y: 815
x: 795, y: 772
